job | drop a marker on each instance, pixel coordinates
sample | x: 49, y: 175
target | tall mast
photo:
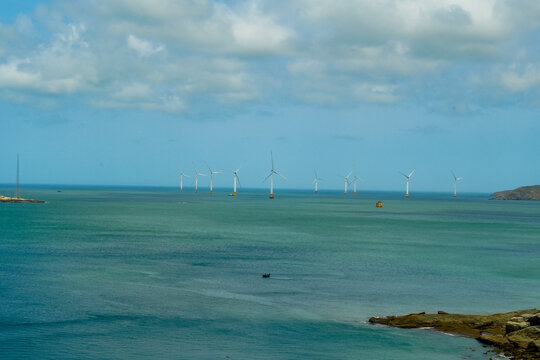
x: 17, y: 193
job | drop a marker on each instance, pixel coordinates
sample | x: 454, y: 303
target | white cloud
x: 191, y: 52
x: 12, y: 77
x: 143, y: 47
x: 376, y: 93
x: 257, y: 33
x: 519, y: 81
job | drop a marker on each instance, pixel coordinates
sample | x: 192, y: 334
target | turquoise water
x: 101, y: 273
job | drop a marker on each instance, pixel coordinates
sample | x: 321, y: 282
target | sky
x: 131, y: 92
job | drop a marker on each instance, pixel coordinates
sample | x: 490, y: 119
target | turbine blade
x: 272, y: 157
x: 412, y: 172
x: 281, y: 175
x: 266, y: 178
x: 238, y: 179
x: 455, y: 177
x: 403, y: 174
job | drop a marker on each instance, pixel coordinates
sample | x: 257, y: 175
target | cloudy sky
x: 127, y: 92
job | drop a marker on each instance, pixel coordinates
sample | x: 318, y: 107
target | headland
x: 515, y: 334
x: 521, y: 193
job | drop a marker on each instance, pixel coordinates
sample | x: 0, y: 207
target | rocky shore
x: 5, y: 199
x: 515, y: 334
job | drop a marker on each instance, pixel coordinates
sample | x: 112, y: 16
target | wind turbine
x: 316, y: 182
x: 197, y: 174
x: 408, y: 178
x: 212, y: 173
x: 236, y: 179
x: 347, y: 181
x: 456, y: 179
x: 354, y: 181
x: 182, y: 175
x: 271, y: 176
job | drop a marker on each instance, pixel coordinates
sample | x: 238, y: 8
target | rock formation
x: 515, y: 334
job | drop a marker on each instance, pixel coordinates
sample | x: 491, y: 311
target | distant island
x: 521, y: 193
x: 5, y: 199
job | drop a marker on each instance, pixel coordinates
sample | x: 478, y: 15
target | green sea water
x: 126, y: 273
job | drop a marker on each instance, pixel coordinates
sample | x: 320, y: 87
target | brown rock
x: 493, y: 340
x: 512, y: 326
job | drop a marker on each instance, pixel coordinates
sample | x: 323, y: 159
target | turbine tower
x: 212, y: 173
x: 182, y: 175
x: 347, y: 182
x: 354, y: 181
x: 236, y: 179
x: 316, y: 182
x: 271, y: 176
x: 408, y: 178
x: 197, y: 174
x: 456, y: 179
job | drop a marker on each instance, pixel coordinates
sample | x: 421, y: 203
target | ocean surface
x: 138, y: 273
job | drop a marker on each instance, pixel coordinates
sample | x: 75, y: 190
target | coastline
x: 515, y: 334
x: 5, y: 199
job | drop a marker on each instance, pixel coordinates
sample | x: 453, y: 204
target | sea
x: 152, y: 273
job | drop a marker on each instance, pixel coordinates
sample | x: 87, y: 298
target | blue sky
x: 128, y: 92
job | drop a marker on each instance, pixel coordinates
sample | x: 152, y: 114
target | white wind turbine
x: 182, y: 175
x: 236, y: 179
x: 354, y: 181
x: 316, y: 182
x: 347, y: 182
x: 271, y: 176
x: 456, y: 179
x: 408, y: 178
x: 212, y: 173
x: 197, y: 174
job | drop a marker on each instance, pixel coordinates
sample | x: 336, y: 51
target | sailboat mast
x: 17, y: 193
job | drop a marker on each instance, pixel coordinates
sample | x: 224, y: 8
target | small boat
x: 266, y: 275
